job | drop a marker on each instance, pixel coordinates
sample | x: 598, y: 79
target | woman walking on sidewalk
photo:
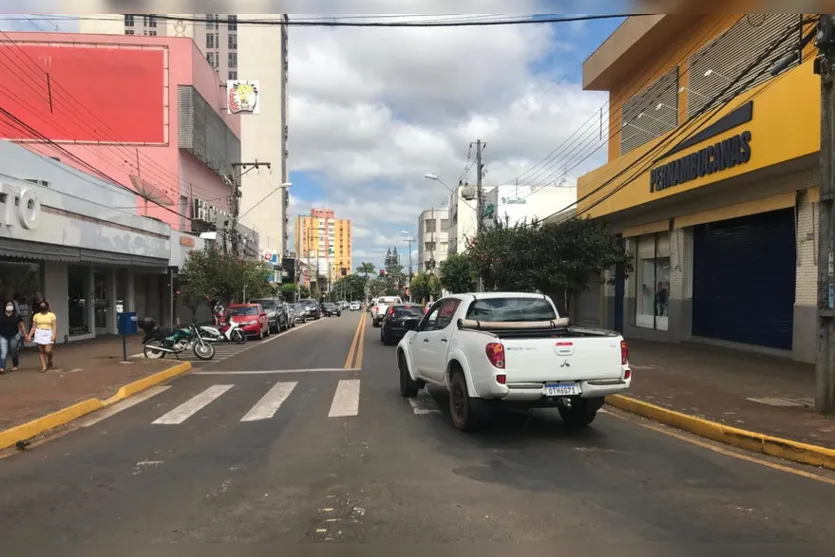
x: 11, y: 332
x: 45, y: 331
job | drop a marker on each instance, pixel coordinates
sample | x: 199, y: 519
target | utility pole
x: 825, y: 368
x: 479, y: 147
x: 236, y: 198
x: 410, y: 241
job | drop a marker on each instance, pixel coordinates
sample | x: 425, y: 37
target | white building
x: 462, y: 218
x: 514, y: 204
x: 249, y: 53
x: 433, y: 239
x: 78, y: 242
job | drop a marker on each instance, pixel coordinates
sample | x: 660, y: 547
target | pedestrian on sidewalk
x: 11, y: 333
x: 44, y: 331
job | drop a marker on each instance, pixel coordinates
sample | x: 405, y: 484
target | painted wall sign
x: 713, y: 158
x: 21, y: 207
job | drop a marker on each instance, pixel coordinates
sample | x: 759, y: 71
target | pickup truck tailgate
x: 557, y: 359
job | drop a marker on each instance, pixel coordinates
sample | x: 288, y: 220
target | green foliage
x: 304, y: 293
x: 377, y: 287
x: 288, y: 291
x: 425, y: 287
x: 458, y: 274
x: 394, y: 272
x: 366, y: 269
x: 351, y: 287
x: 209, y: 275
x: 552, y: 258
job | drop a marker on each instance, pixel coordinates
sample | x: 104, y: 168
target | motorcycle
x: 159, y: 342
x: 224, y: 332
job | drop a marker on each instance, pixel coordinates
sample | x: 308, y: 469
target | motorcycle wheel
x: 150, y: 351
x: 238, y: 337
x: 205, y: 351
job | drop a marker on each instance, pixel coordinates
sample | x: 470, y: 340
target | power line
x: 689, y: 123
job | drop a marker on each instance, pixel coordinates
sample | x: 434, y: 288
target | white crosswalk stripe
x: 424, y: 403
x: 192, y: 406
x: 270, y: 403
x: 346, y: 400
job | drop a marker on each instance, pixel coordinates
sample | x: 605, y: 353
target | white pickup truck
x: 511, y: 349
x: 381, y: 307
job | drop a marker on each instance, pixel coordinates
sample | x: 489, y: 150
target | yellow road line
x: 699, y: 443
x: 353, y: 348
x: 360, y: 344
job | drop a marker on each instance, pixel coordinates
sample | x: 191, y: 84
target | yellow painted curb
x: 740, y: 438
x: 147, y: 382
x: 62, y: 417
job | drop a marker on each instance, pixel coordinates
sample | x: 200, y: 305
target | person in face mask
x: 44, y: 331
x: 11, y: 331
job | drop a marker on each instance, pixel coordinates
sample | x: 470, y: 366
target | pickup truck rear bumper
x: 532, y: 392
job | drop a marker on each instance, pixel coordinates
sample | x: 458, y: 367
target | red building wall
x: 82, y: 93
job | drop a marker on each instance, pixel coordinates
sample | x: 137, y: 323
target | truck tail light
x: 624, y: 353
x: 627, y: 375
x: 390, y: 312
x: 495, y: 353
x: 501, y: 379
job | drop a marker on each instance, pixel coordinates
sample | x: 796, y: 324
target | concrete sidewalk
x: 757, y: 393
x: 83, y: 370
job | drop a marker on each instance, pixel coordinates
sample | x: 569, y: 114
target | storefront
x: 721, y: 228
x: 74, y: 241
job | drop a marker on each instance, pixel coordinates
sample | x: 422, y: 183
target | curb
x: 794, y: 451
x: 23, y: 432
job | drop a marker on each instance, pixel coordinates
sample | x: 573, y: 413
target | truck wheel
x: 408, y: 388
x: 582, y: 412
x: 467, y: 413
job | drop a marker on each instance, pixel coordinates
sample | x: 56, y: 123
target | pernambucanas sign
x: 243, y: 96
x: 713, y: 158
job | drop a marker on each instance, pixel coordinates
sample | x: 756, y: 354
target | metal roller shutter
x: 744, y: 279
x: 588, y: 305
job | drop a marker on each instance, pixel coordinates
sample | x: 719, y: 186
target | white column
x: 112, y: 295
x: 130, y: 294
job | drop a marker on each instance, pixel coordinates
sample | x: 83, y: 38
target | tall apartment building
x: 235, y: 52
x: 433, y: 239
x: 320, y: 236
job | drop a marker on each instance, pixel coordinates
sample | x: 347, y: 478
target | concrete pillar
x: 112, y: 296
x: 90, y: 289
x: 130, y: 291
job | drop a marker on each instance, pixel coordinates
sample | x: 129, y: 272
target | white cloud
x: 373, y: 110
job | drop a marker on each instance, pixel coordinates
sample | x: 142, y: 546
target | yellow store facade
x: 712, y: 181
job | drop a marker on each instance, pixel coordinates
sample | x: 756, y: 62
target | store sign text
x: 20, y: 206
x: 714, y: 158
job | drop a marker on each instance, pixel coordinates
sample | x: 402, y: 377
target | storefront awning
x: 36, y: 251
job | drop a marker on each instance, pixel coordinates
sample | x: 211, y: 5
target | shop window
x: 21, y: 282
x: 78, y: 300
x: 653, y: 281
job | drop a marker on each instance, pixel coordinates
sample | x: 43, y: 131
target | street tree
x: 425, y: 287
x: 366, y: 269
x: 304, y: 292
x: 288, y: 291
x: 211, y: 276
x: 458, y: 274
x: 351, y: 287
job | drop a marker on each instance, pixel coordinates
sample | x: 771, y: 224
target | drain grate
x: 785, y: 402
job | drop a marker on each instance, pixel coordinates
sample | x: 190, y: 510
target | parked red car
x: 251, y: 317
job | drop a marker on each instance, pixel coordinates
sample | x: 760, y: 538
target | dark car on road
x: 312, y: 309
x: 332, y: 310
x: 276, y: 314
x: 393, y: 326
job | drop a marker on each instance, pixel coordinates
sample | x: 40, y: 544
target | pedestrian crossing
x: 179, y: 408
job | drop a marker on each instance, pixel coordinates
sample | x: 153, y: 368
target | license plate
x: 561, y: 389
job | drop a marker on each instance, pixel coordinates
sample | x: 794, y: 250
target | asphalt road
x: 241, y: 452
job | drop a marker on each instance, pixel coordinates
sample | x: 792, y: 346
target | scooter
x: 225, y: 332
x: 159, y: 342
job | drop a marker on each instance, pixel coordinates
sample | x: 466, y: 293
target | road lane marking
x: 360, y: 346
x: 192, y: 406
x: 349, y: 360
x: 721, y: 450
x: 346, y: 399
x: 273, y: 371
x: 269, y: 404
x: 424, y: 403
x: 123, y: 405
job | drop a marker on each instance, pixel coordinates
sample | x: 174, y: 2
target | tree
x: 199, y: 278
x: 394, y: 272
x: 211, y: 276
x: 557, y: 258
x: 366, y: 269
x: 288, y: 291
x: 458, y: 274
x: 351, y: 287
x: 304, y: 293
x: 425, y: 287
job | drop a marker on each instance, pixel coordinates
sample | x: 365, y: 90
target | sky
x: 374, y: 110
x: 371, y: 111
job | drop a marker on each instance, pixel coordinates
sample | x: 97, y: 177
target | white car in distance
x: 511, y: 349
